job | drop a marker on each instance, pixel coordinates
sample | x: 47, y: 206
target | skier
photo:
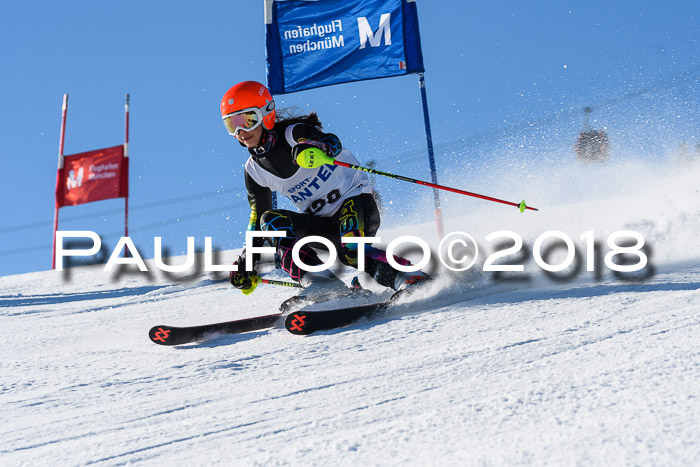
x: 334, y: 202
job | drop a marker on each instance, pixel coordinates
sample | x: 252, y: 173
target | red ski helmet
x: 247, y: 105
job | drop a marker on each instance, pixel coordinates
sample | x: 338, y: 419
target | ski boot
x: 317, y: 287
x: 406, y: 283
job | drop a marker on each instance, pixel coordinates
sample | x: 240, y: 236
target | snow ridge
x: 594, y: 369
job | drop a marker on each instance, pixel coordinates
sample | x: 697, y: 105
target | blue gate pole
x: 431, y: 154
x: 278, y: 262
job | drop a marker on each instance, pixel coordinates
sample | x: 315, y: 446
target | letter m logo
x: 73, y: 181
x: 374, y: 38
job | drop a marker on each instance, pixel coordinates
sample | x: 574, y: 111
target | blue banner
x: 320, y: 43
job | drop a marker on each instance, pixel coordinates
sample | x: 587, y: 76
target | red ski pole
x: 312, y: 157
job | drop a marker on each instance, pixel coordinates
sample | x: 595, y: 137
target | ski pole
x: 281, y: 283
x: 255, y: 280
x: 311, y: 158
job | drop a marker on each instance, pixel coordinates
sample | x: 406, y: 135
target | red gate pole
x: 126, y: 157
x: 59, y: 184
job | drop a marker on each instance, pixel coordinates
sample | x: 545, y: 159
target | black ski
x: 305, y: 322
x: 170, y: 335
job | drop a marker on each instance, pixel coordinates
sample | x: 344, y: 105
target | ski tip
x: 297, y: 323
x: 160, y: 335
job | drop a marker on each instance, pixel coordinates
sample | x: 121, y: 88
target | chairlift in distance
x: 592, y: 145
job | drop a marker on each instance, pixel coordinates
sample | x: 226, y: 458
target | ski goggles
x: 246, y: 119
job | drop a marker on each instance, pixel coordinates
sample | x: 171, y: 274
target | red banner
x: 93, y: 176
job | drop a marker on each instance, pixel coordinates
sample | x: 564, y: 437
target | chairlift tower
x: 592, y: 145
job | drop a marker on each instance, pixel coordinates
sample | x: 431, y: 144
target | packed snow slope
x: 587, y: 368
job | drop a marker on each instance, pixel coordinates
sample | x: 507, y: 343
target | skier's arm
x: 305, y: 136
x: 260, y: 200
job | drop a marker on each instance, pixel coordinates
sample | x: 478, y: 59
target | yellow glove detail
x: 255, y: 280
x: 310, y: 158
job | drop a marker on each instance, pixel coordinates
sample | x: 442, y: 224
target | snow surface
x: 593, y: 369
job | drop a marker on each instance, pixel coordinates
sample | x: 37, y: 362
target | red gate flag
x: 93, y: 176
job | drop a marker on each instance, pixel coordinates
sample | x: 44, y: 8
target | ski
x: 305, y: 322
x: 171, y: 335
x: 296, y: 302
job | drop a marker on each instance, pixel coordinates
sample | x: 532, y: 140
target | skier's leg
x: 283, y: 220
x: 318, y: 286
x: 359, y: 217
x: 299, y: 225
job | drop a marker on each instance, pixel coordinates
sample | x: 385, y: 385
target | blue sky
x: 496, y: 72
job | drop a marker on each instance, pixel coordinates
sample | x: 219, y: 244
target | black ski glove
x: 299, y: 148
x: 242, y: 279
